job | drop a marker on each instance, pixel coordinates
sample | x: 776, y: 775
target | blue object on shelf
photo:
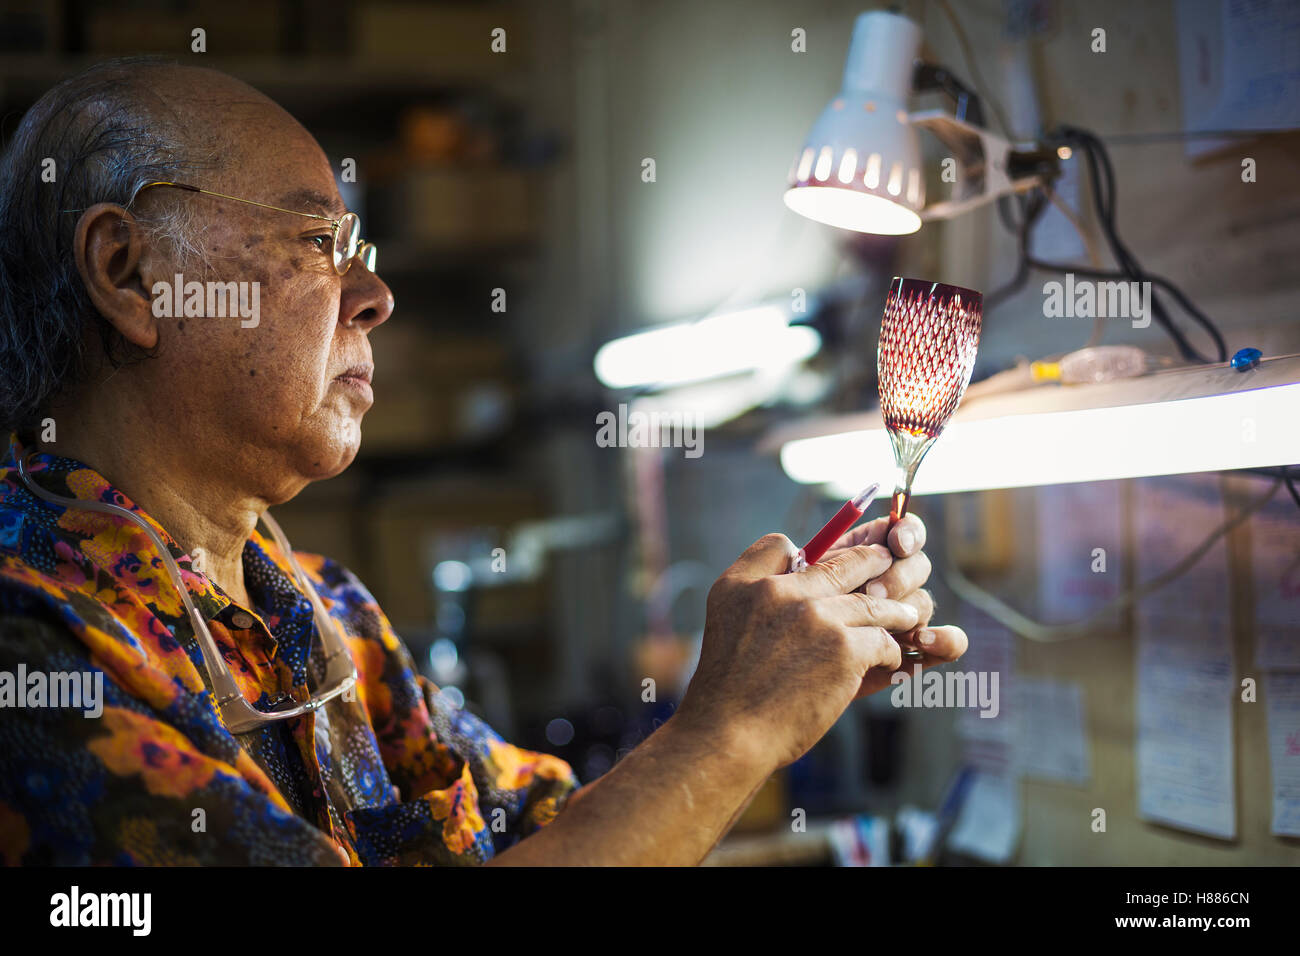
x: 1246, y: 358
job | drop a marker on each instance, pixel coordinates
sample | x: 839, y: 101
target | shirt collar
x: 70, y: 478
x: 284, y: 609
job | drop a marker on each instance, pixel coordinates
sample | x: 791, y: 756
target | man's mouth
x: 357, y: 374
x: 357, y: 379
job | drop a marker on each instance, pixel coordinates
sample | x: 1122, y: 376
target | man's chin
x: 331, y: 469
x: 333, y: 453
x: 336, y: 463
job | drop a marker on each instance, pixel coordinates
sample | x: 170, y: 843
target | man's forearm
x: 740, y: 810
x: 667, y: 803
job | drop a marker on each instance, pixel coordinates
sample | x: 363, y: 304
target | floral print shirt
x: 391, y: 774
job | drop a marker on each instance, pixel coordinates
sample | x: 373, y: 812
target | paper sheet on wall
x: 1052, y: 740
x: 1275, y: 558
x: 1238, y: 66
x: 1186, y: 679
x: 1039, y: 729
x: 988, y: 825
x: 989, y: 742
x: 1282, y: 698
x: 1080, y: 542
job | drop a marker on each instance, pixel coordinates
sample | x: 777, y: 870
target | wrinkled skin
x: 226, y: 420
x: 785, y: 654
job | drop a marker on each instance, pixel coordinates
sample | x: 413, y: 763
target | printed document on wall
x: 1185, y: 669
x: 1282, y: 697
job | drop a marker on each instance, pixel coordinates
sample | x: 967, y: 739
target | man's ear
x: 108, y: 245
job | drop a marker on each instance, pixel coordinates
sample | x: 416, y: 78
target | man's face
x: 283, y: 398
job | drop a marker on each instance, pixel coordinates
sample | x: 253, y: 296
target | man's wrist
x: 731, y: 743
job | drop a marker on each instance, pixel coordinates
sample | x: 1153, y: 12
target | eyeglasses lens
x: 346, y: 241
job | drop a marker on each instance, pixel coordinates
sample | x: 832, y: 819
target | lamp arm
x: 990, y: 165
x: 967, y: 105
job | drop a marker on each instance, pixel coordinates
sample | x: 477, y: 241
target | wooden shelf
x: 312, y: 75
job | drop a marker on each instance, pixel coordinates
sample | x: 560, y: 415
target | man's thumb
x: 770, y: 554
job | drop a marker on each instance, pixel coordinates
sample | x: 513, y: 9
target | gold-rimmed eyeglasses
x: 345, y: 239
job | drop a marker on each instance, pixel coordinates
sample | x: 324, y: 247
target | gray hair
x: 107, y: 132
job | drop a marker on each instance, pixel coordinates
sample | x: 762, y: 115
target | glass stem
x: 908, y: 452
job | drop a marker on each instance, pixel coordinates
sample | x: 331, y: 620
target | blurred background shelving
x: 454, y: 163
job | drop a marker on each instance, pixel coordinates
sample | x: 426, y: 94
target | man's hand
x: 784, y: 654
x: 902, y: 582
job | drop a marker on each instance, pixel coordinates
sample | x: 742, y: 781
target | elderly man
x: 257, y: 706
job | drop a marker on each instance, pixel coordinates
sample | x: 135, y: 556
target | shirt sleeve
x: 124, y: 786
x: 520, y: 791
x: 463, y: 790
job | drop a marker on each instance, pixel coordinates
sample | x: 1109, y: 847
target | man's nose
x: 366, y: 299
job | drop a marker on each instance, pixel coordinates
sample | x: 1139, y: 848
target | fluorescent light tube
x: 1176, y: 422
x: 728, y: 344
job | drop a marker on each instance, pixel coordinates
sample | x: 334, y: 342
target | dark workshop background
x: 522, y: 172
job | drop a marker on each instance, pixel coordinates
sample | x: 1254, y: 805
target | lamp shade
x: 860, y: 166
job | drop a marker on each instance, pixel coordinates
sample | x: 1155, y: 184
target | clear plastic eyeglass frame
x: 237, y: 713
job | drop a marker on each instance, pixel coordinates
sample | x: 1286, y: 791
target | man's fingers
x: 846, y: 571
x: 923, y: 601
x: 907, y: 537
x: 869, y: 532
x: 949, y: 644
x: 863, y: 610
x: 875, y: 647
x: 946, y: 643
x: 903, y: 577
x: 770, y: 554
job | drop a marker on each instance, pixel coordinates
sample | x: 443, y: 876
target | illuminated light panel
x: 758, y: 338
x: 1250, y: 428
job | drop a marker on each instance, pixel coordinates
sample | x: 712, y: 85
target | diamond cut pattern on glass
x: 928, y: 340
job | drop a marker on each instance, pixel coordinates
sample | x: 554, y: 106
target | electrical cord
x: 1094, y: 256
x: 1102, y: 173
x: 1028, y: 628
x: 1282, y: 471
x: 1158, y: 313
x: 1029, y: 212
x: 1104, y: 196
